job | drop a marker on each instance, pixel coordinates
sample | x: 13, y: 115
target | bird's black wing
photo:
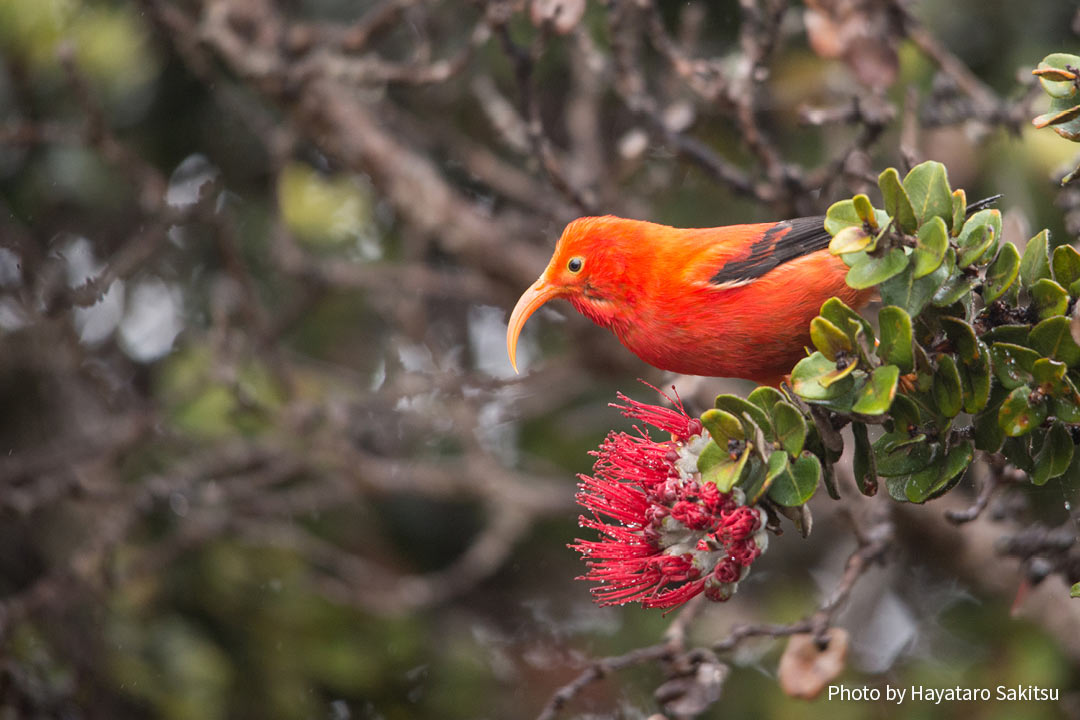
x: 782, y: 242
x: 792, y: 239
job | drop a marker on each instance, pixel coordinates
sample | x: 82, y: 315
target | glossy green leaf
x: 843, y: 317
x: 1052, y: 339
x: 1049, y: 298
x: 863, y: 465
x: 790, y: 427
x: 935, y: 481
x: 933, y: 241
x: 876, y: 395
x: 1065, y: 265
x: 894, y: 326
x: 911, y: 294
x: 722, y: 426
x: 765, y: 397
x: 897, y: 202
x: 947, y: 389
x: 1054, y: 74
x: 829, y: 339
x: 797, y: 485
x: 1012, y: 364
x: 1035, y: 263
x: 897, y: 453
x: 726, y: 473
x: 959, y: 210
x: 962, y: 337
x: 975, y: 381
x: 905, y: 413
x: 849, y: 240
x: 874, y: 271
x: 1054, y: 457
x: 741, y: 407
x: 1019, y: 414
x: 1002, y: 273
x: 927, y: 186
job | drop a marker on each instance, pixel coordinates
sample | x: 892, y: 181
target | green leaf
x: 1049, y: 375
x: 740, y: 407
x: 947, y: 389
x: 897, y: 202
x: 1052, y: 339
x: 1054, y: 457
x: 1002, y: 273
x: 936, y: 481
x: 897, y: 453
x: 1061, y: 118
x: 959, y: 210
x: 904, y: 413
x: 851, y: 322
x: 978, y: 243
x: 912, y: 295
x: 865, y: 210
x: 849, y: 240
x: 1035, y: 263
x: 933, y: 241
x: 843, y: 214
x: 722, y: 426
x: 1054, y: 74
x: 876, y: 396
x: 790, y: 427
x: 975, y: 381
x: 795, y: 487
x: 829, y: 339
x: 953, y: 290
x: 894, y: 325
x: 1012, y: 364
x: 863, y: 465
x: 988, y: 433
x: 874, y: 271
x: 1065, y: 264
x: 1050, y: 299
x: 765, y: 397
x: 1018, y: 415
x: 962, y: 337
x: 1012, y: 334
x: 726, y: 473
x: 927, y: 186
x: 807, y: 377
x: 1066, y: 408
x: 1075, y: 592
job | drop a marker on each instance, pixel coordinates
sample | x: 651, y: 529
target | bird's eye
x: 575, y: 264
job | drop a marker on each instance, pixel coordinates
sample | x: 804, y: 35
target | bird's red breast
x: 733, y: 301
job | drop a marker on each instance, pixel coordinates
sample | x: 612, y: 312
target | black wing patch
x: 782, y: 242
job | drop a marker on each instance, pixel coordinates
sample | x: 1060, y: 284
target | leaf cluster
x: 973, y: 349
x: 1059, y: 74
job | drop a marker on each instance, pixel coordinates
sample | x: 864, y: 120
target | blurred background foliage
x: 260, y: 471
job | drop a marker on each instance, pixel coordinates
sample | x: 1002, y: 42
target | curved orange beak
x: 529, y: 302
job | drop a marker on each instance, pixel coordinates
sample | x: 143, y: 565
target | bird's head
x: 589, y: 268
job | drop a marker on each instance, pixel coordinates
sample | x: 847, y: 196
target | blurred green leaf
x: 863, y: 465
x: 988, y: 433
x: 1065, y: 264
x: 959, y: 210
x: 975, y: 379
x: 1056, y: 79
x: 927, y: 186
x: 898, y: 453
x: 1075, y: 592
x: 937, y: 480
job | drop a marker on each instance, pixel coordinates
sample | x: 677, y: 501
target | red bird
x: 733, y: 301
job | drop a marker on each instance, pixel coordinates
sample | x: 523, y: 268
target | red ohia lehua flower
x: 665, y: 536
